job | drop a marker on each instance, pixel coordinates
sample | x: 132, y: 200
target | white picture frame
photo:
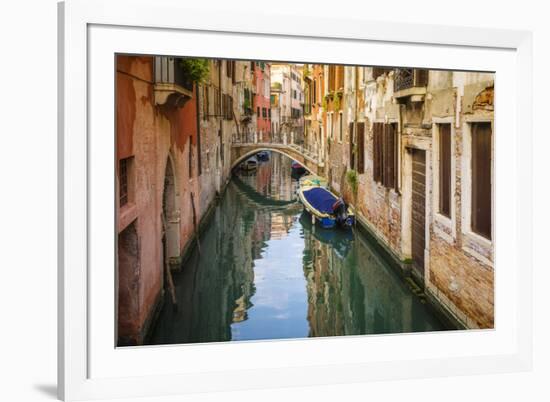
x: 89, y: 368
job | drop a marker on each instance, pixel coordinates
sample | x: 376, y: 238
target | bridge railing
x: 291, y: 140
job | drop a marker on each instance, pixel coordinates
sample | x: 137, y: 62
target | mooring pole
x: 167, y: 266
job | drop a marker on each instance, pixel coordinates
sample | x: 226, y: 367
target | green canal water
x: 265, y: 273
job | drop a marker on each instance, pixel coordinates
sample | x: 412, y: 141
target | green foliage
x: 353, y: 181
x: 325, y: 102
x: 247, y: 104
x: 306, y: 72
x: 337, y: 98
x: 196, y: 69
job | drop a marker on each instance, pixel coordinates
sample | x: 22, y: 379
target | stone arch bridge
x: 307, y: 158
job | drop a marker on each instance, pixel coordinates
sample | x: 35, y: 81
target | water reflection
x: 266, y: 273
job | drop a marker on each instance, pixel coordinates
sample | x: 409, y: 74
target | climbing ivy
x: 353, y: 181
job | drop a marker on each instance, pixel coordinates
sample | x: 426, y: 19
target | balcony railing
x: 406, y: 78
x: 172, y: 84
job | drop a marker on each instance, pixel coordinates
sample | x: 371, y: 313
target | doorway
x: 170, y: 215
x: 128, y: 270
x: 418, y: 213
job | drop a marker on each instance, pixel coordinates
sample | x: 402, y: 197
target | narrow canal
x: 265, y: 273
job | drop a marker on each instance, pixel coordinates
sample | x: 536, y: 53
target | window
x: 360, y: 141
x: 385, y: 154
x: 314, y: 91
x: 378, y: 132
x: 228, y: 66
x: 264, y: 112
x: 269, y: 113
x: 377, y: 72
x: 331, y: 78
x: 340, y: 77
x: 227, y: 107
x: 481, y: 179
x: 445, y: 170
x: 217, y: 102
x: 124, y: 182
x: 352, y: 146
x: 258, y: 111
x: 329, y: 124
x: 230, y: 70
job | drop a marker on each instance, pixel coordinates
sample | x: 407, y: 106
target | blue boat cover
x: 320, y: 199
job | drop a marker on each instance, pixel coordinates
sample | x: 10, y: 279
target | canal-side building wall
x: 334, y: 129
x: 262, y: 99
x: 457, y: 269
x: 168, y: 135
x: 174, y: 157
x: 317, y: 111
x: 154, y: 142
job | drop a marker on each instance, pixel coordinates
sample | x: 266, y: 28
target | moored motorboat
x: 249, y: 164
x: 262, y: 156
x: 297, y: 168
x: 313, y: 181
x: 325, y: 207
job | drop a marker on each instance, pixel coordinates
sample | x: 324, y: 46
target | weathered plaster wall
x: 151, y: 134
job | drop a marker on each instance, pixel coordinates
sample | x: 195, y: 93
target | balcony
x: 173, y: 88
x: 410, y: 82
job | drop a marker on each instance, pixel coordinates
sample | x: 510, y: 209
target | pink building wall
x: 150, y: 137
x: 262, y: 84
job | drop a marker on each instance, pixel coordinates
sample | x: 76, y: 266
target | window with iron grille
x: 124, y: 180
x: 405, y: 78
x: 481, y: 179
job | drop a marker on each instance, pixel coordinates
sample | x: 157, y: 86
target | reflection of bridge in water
x: 261, y: 200
x: 247, y: 145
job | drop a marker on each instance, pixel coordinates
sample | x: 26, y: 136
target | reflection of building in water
x: 280, y: 225
x: 273, y: 178
x: 356, y: 293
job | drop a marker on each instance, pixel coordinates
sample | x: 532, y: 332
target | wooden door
x: 418, y: 224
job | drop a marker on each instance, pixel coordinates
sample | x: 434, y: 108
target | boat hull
x: 323, y: 219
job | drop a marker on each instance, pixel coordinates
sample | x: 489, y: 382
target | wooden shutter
x: 331, y: 78
x: 390, y: 160
x: 340, y: 77
x: 378, y: 134
x: 445, y: 169
x: 352, y: 147
x: 360, y: 147
x: 420, y: 77
x: 481, y: 179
